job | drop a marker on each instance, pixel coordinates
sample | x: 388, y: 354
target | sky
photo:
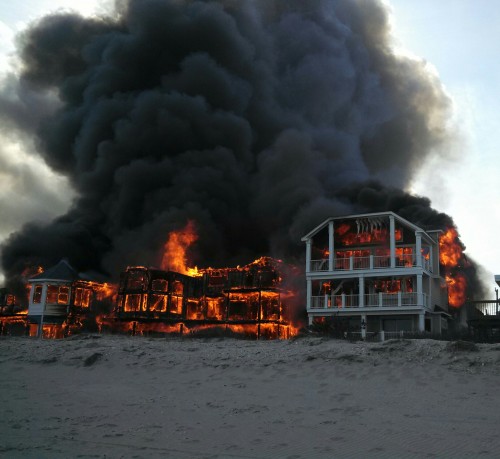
x: 458, y: 39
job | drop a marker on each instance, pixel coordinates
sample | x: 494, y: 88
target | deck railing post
x: 308, y: 255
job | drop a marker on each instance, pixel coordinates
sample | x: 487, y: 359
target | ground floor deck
x: 374, y: 321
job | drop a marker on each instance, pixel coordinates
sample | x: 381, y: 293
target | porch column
x: 392, y: 235
x: 363, y: 326
x: 308, y: 255
x: 361, y: 293
x: 421, y: 322
x: 309, y: 293
x: 330, y: 246
x: 418, y: 249
x: 420, y: 297
x: 429, y: 290
x: 43, y: 300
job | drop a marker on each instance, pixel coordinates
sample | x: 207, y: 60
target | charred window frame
x: 159, y: 285
x: 137, y: 280
x: 82, y: 297
x: 57, y: 294
x: 37, y: 293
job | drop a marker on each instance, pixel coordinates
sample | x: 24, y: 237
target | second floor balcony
x: 373, y: 300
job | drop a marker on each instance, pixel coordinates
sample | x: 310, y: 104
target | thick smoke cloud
x: 255, y: 119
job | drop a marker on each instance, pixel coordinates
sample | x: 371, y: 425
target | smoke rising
x: 255, y: 119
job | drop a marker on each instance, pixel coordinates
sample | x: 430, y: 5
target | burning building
x: 61, y: 299
x: 377, y: 273
x: 247, y: 299
x: 12, y: 315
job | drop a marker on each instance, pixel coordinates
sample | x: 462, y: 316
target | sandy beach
x: 97, y: 396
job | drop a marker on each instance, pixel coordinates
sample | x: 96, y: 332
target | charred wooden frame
x: 241, y: 296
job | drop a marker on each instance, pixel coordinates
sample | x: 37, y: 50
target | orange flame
x: 450, y: 255
x: 174, y: 256
x: 107, y: 290
x: 450, y: 249
x: 456, y: 289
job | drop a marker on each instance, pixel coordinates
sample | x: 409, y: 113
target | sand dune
x: 110, y: 396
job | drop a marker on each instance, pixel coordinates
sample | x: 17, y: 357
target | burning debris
x: 12, y: 315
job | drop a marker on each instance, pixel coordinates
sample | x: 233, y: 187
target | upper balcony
x: 370, y: 242
x: 371, y: 262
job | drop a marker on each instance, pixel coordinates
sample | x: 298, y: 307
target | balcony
x: 375, y: 300
x: 368, y: 263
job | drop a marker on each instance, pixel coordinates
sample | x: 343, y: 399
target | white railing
x: 405, y: 261
x: 395, y: 334
x: 342, y: 264
x: 319, y: 265
x: 334, y: 301
x: 370, y: 262
x: 345, y: 301
x: 375, y: 300
x: 381, y: 262
x: 426, y: 264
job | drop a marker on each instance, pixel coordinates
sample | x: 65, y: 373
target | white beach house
x: 55, y: 293
x: 375, y: 273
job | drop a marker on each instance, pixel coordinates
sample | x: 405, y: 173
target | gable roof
x: 401, y: 220
x: 62, y: 272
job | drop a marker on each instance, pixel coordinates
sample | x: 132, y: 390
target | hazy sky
x: 459, y: 39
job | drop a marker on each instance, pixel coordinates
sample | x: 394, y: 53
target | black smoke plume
x: 255, y: 119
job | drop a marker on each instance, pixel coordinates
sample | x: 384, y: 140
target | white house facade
x: 376, y: 273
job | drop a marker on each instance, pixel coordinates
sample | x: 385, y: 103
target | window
x: 159, y: 285
x: 57, y: 294
x: 37, y: 295
x: 52, y: 292
x: 82, y: 297
x: 158, y: 303
x: 132, y: 302
x: 178, y: 287
x: 137, y: 280
x: 175, y: 305
x: 63, y: 297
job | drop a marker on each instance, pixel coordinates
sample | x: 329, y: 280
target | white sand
x: 105, y: 396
